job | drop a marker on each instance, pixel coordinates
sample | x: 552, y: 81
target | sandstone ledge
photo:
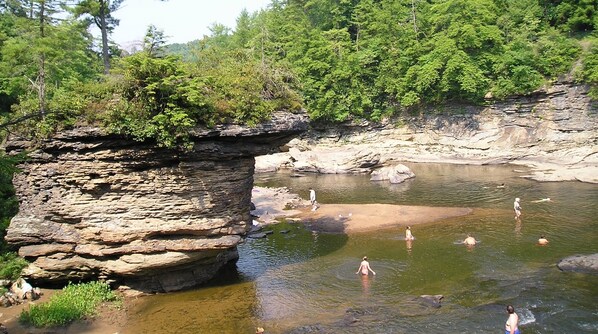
x: 95, y: 205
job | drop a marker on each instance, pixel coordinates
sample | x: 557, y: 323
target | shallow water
x: 296, y: 281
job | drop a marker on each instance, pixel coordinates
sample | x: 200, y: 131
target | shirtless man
x: 542, y: 241
x: 408, y: 235
x: 469, y: 241
x: 511, y: 327
x: 517, y: 208
x: 364, y: 267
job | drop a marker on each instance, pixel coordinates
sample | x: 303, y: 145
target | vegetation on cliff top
x: 340, y: 59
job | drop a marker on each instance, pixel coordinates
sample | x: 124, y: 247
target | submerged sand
x: 351, y: 218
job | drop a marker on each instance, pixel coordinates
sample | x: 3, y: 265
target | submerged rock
x: 580, y: 263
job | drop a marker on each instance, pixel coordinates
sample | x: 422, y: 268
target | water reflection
x: 365, y: 284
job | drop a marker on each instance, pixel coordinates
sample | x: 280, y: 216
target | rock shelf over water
x: 95, y: 205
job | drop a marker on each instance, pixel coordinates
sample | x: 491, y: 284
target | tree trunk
x: 104, y: 31
x: 41, y: 88
x: 414, y: 19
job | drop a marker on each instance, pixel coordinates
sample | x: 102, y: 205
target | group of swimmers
x: 511, y: 325
x: 470, y: 241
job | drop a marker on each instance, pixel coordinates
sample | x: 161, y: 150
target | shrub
x: 74, y: 302
x: 11, y: 265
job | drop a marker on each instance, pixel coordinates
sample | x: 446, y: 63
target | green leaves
x: 164, y: 98
x: 11, y: 265
x: 74, y: 302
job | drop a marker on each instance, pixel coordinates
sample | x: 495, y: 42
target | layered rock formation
x: 94, y: 205
x: 554, y: 131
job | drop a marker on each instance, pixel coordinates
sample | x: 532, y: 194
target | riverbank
x: 109, y: 318
x: 552, y: 132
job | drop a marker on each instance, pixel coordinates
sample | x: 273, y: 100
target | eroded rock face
x: 554, y: 131
x: 94, y: 205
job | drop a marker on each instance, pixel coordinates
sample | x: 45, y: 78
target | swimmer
x: 501, y: 186
x: 469, y: 241
x: 364, y: 267
x: 542, y: 241
x: 511, y: 327
x: 408, y: 235
x: 517, y: 208
x: 547, y: 199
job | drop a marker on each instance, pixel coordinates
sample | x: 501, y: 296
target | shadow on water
x: 228, y: 303
x: 288, y: 243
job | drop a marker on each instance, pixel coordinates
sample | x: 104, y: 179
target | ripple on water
x: 526, y: 316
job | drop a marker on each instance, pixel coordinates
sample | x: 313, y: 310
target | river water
x: 296, y: 281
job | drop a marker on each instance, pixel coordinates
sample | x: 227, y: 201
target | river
x: 296, y: 281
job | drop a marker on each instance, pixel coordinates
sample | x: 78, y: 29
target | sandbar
x: 353, y: 218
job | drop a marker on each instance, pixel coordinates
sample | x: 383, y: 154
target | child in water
x: 408, y: 235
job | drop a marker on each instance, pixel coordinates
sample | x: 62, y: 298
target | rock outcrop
x: 554, y: 131
x: 95, y: 205
x: 394, y: 174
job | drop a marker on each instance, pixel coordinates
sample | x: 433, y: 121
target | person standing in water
x: 312, y: 196
x: 408, y: 235
x: 512, y: 324
x: 364, y: 267
x: 517, y: 208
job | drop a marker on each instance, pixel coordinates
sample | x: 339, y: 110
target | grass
x: 74, y: 302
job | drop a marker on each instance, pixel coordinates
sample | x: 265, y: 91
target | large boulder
x: 96, y: 205
x: 394, y: 174
x: 334, y: 161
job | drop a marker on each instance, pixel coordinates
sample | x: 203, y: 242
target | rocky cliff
x: 554, y: 131
x: 94, y: 205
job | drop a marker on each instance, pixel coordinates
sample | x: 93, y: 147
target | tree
x: 154, y: 42
x: 100, y: 12
x: 39, y: 54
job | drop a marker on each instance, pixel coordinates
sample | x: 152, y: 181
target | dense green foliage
x: 74, y: 302
x: 589, y: 72
x: 340, y: 59
x: 8, y: 201
x: 11, y: 265
x: 163, y: 97
x: 373, y: 58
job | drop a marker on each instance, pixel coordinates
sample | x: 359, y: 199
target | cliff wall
x: 554, y: 131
